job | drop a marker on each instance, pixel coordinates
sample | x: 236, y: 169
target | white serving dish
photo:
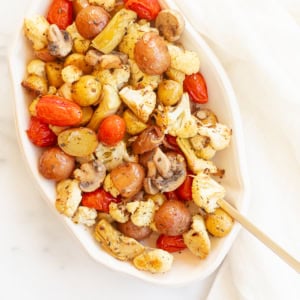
x: 222, y: 100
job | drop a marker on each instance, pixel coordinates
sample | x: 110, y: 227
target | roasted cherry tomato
x: 60, y: 13
x: 170, y: 243
x: 99, y: 200
x: 171, y: 195
x: 145, y: 9
x: 111, y: 130
x: 184, y: 192
x: 171, y: 140
x: 58, y: 111
x: 40, y: 134
x: 195, y: 85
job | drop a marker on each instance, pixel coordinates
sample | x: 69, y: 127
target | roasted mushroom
x: 148, y: 140
x: 90, y: 175
x: 60, y: 41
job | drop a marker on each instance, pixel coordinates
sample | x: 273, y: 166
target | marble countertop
x: 39, y: 258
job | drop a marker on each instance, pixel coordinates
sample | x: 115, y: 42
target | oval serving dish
x: 186, y: 267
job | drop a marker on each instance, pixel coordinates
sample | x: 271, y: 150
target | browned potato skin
x: 55, y: 164
x: 133, y: 231
x: 151, y: 54
x: 128, y: 178
x: 172, y: 218
x: 91, y: 20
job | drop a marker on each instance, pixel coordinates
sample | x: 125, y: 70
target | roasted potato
x: 133, y: 124
x: 133, y: 231
x: 80, y: 141
x: 169, y: 92
x: 53, y: 72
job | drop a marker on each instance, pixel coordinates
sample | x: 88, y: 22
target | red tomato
x: 145, y: 9
x: 171, y: 140
x: 171, y: 195
x: 58, y: 111
x: 195, y: 85
x: 184, y: 192
x: 60, y: 13
x: 40, y: 134
x: 111, y: 130
x: 99, y: 199
x: 170, y: 243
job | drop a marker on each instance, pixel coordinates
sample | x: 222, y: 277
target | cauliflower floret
x: 219, y: 135
x: 68, y: 197
x: 114, y: 77
x: 185, y: 61
x: 142, y: 212
x: 202, y: 147
x: 134, y: 33
x: 80, y: 44
x: 196, y: 164
x: 112, y: 156
x: 36, y: 67
x: 138, y: 79
x: 154, y: 261
x: 177, y: 121
x: 206, y: 192
x: 85, y: 215
x: 71, y: 73
x: 36, y: 30
x: 108, y: 5
x: 118, y: 212
x: 142, y: 102
x: 197, y: 238
x: 109, y: 187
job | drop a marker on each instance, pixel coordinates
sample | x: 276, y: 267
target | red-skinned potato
x: 128, y: 178
x: 172, y: 218
x: 91, y: 20
x: 55, y: 164
x: 133, y: 231
x: 151, y: 54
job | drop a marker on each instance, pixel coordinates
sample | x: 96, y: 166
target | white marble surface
x: 39, y: 259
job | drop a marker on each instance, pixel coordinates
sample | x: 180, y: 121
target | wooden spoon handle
x: 284, y: 255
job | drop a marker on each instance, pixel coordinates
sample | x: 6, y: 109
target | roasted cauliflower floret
x: 196, y: 164
x: 154, y: 261
x: 177, y: 121
x: 109, y: 187
x: 118, y: 212
x: 219, y: 135
x: 71, y: 73
x: 36, y: 67
x: 138, y: 79
x: 117, y: 78
x: 185, y: 61
x: 197, y: 239
x: 80, y: 44
x: 36, y: 30
x: 142, y: 212
x: 142, y: 102
x: 202, y: 147
x: 85, y: 215
x: 115, y: 243
x: 68, y: 197
x: 206, y: 192
x: 106, y: 4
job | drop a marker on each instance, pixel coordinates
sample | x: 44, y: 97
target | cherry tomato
x: 58, y: 111
x: 145, y: 9
x: 184, y: 192
x: 195, y: 85
x: 99, y: 200
x: 40, y: 134
x: 60, y: 13
x: 171, y: 195
x: 170, y: 243
x: 111, y: 130
x: 171, y: 140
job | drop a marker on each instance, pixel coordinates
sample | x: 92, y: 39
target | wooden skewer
x: 284, y: 255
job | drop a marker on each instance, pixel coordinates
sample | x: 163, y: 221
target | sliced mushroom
x: 177, y: 175
x: 148, y: 140
x: 90, y: 175
x: 60, y: 41
x: 170, y: 24
x: 106, y: 61
x: 162, y: 163
x: 149, y: 186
